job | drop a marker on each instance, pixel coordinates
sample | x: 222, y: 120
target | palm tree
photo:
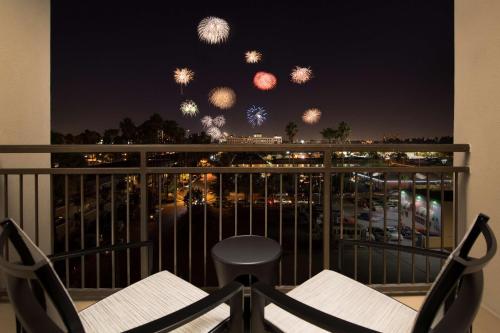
x: 128, y: 130
x: 328, y: 134
x: 291, y: 130
x: 343, y: 132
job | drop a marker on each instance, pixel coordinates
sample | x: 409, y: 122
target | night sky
x: 385, y: 67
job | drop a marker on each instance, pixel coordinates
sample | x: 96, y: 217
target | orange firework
x: 264, y: 81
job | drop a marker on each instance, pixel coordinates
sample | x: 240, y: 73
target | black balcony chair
x: 332, y: 302
x: 159, y: 303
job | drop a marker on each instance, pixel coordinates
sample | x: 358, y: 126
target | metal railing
x: 306, y: 196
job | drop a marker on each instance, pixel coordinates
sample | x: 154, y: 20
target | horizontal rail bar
x: 395, y: 247
x: 233, y: 148
x: 194, y: 170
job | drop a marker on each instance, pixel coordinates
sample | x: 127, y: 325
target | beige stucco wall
x: 25, y: 103
x: 477, y: 118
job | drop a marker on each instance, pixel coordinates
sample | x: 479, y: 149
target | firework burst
x: 183, y: 76
x: 301, y: 75
x: 256, y: 115
x: 214, y: 132
x: 253, y: 57
x: 213, y: 30
x: 264, y: 80
x: 222, y: 97
x: 206, y: 121
x: 219, y: 121
x: 189, y: 108
x: 311, y: 116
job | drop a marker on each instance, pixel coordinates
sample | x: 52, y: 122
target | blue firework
x: 256, y: 115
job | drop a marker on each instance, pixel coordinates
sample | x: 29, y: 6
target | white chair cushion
x: 347, y: 299
x: 147, y: 300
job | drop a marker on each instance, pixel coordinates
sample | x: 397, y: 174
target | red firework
x: 264, y: 81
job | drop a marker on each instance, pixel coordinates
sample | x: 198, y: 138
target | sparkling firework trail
x: 301, y: 75
x: 219, y: 121
x: 206, y: 121
x: 214, y: 132
x: 222, y: 97
x: 183, y: 76
x: 311, y: 116
x: 253, y: 57
x: 264, y: 80
x: 256, y: 115
x: 213, y: 30
x: 189, y: 108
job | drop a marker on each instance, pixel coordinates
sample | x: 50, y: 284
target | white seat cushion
x: 347, y: 299
x: 147, y: 300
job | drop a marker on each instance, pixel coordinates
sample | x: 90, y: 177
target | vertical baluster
x: 82, y: 230
x: 341, y: 231
x: 205, y: 194
x: 370, y: 207
x: 455, y: 210
x: 355, y: 225
x: 251, y: 202
x: 127, y: 193
x: 220, y: 206
x: 190, y: 243
x: 281, y: 228
x: 413, y: 227
x: 399, y: 224
x: 310, y: 224
x: 113, y: 259
x: 66, y: 226
x: 295, y: 229
x: 235, y: 204
x: 427, y: 226
x: 265, y: 205
x: 385, y: 228
x: 37, y: 223
x: 175, y: 224
x: 21, y: 201
x: 160, y: 243
x: 97, y: 231
x: 442, y: 214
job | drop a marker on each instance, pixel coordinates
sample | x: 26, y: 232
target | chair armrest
x: 396, y: 247
x: 262, y: 292
x: 194, y: 310
x: 100, y: 249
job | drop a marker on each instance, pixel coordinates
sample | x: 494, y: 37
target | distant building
x: 254, y: 139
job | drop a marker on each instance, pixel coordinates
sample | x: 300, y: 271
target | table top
x: 246, y: 250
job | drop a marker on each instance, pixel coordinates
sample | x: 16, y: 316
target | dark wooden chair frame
x: 458, y: 288
x: 29, y: 281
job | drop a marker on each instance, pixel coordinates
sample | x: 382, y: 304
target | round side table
x: 246, y: 255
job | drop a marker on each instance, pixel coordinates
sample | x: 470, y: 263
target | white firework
x: 206, y: 121
x: 214, y: 132
x: 311, y: 116
x: 301, y: 75
x: 256, y: 115
x: 213, y: 30
x: 183, y: 76
x: 222, y: 97
x: 253, y: 57
x: 189, y: 108
x: 219, y: 121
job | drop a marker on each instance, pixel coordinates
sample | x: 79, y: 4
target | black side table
x: 246, y: 255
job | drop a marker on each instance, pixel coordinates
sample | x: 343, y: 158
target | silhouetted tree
x: 291, y: 131
x: 329, y: 134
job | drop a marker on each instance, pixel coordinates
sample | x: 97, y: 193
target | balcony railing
x: 186, y: 198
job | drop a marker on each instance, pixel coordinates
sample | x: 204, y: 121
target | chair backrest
x: 39, y: 299
x: 459, y: 286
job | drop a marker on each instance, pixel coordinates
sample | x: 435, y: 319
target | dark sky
x: 385, y: 67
